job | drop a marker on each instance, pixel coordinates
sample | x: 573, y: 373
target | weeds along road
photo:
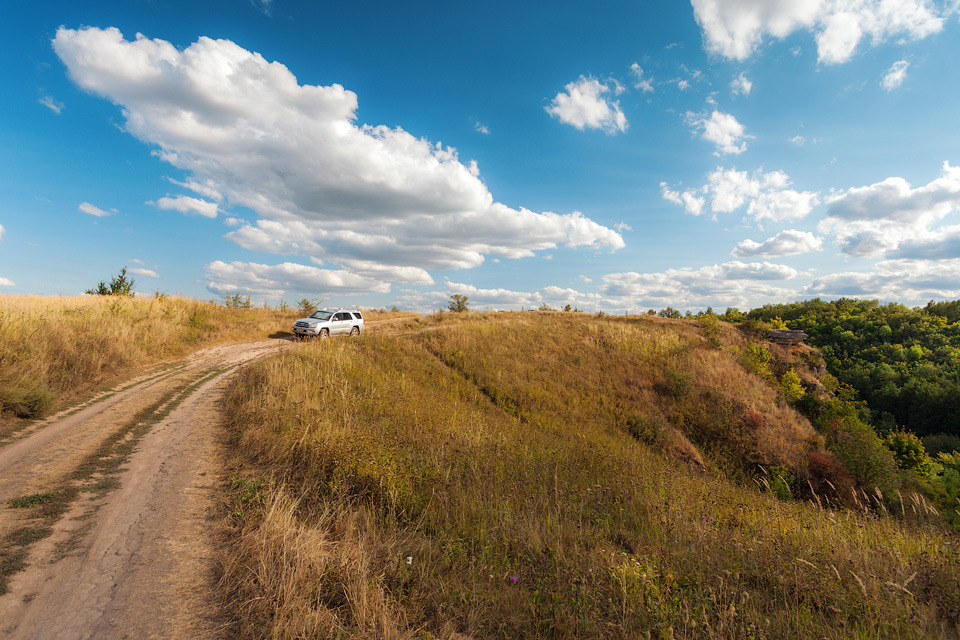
x: 107, y: 510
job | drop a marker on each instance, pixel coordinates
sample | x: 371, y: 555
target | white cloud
x: 895, y: 75
x: 729, y: 284
x: 479, y: 298
x: 683, y: 85
x: 891, y: 218
x: 479, y: 127
x: 6, y: 282
x: 765, y: 195
x: 722, y: 129
x: 691, y: 202
x: 741, y: 85
x: 585, y: 106
x: 735, y: 28
x: 798, y: 140
x: 186, y: 204
x: 294, y: 155
x: 207, y: 190
x: 92, y: 210
x: 147, y: 273
x: 908, y: 281
x: 2, y: 231
x: 250, y: 278
x: 54, y: 105
x: 640, y: 81
x: 786, y: 243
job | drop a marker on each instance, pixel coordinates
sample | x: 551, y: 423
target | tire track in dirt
x: 134, y: 562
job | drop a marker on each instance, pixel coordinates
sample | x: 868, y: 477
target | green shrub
x: 756, y: 359
x: 791, y: 386
x: 26, y: 400
x: 908, y: 450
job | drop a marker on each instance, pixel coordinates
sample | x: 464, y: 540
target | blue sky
x: 623, y: 157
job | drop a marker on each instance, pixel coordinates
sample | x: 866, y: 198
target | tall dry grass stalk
x: 502, y: 475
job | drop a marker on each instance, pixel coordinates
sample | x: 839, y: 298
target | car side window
x: 357, y: 316
x: 342, y: 316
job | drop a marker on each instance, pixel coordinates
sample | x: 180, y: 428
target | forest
x: 904, y: 363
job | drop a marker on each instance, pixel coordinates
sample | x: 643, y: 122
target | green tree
x: 236, y: 301
x: 121, y: 285
x: 669, y: 312
x: 458, y: 303
x: 907, y: 449
x: 791, y: 386
x: 307, y: 306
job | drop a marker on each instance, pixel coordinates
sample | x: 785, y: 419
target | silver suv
x: 329, y: 322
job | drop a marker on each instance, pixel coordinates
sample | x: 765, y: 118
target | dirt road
x: 110, y: 508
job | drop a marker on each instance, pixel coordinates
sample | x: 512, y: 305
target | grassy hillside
x: 557, y: 476
x: 54, y: 349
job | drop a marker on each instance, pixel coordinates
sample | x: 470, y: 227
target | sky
x: 616, y: 157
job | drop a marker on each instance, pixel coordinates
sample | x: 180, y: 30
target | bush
x: 26, y: 400
x: 791, y: 387
x: 756, y: 359
x: 907, y: 449
x: 828, y: 476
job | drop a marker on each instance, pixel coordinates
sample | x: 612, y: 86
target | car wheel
x: 324, y: 334
x: 355, y: 331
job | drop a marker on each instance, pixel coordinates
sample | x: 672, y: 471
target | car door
x: 340, y: 324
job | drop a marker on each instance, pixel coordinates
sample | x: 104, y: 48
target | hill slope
x: 554, y: 475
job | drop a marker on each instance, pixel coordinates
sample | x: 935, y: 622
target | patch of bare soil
x: 111, y: 507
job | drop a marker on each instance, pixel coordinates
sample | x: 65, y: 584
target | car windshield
x: 321, y: 315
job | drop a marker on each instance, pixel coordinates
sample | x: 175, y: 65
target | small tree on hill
x: 119, y: 286
x: 307, y: 306
x: 458, y: 303
x: 236, y: 301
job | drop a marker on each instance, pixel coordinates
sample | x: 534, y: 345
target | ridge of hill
x: 563, y: 475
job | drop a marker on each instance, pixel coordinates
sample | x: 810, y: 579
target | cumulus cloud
x: 895, y: 75
x: 294, y: 154
x: 890, y: 218
x: 147, y: 273
x: 640, y: 80
x: 93, y: 210
x: 585, y: 105
x: 54, y: 105
x: 479, y: 127
x: 722, y: 129
x: 250, y: 278
x: 735, y: 28
x: 730, y: 284
x: 766, y: 196
x: 909, y: 281
x: 2, y: 231
x: 798, y: 140
x: 6, y: 282
x: 786, y: 243
x: 741, y: 85
x: 480, y: 298
x: 186, y: 204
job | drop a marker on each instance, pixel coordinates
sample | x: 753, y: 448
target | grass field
x: 531, y: 475
x: 54, y: 350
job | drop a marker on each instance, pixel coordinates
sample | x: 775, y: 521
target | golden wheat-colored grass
x: 53, y: 349
x: 504, y: 476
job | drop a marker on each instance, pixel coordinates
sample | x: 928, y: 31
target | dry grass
x: 500, y: 476
x: 55, y: 349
